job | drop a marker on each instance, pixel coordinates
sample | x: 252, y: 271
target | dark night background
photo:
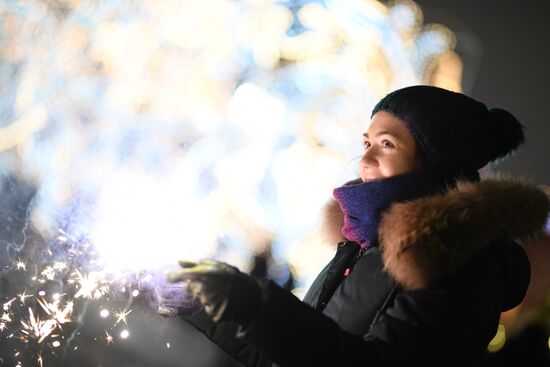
x: 506, y: 59
x: 506, y: 56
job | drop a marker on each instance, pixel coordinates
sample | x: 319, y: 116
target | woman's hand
x: 225, y: 292
x: 167, y: 299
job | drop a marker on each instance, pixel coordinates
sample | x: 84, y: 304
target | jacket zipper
x: 355, y: 259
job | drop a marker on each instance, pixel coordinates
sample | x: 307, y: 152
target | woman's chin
x: 369, y: 178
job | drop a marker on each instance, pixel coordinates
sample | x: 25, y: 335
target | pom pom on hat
x: 505, y: 132
x: 456, y: 133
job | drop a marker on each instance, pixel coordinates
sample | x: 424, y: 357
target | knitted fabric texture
x: 455, y: 132
x: 362, y: 204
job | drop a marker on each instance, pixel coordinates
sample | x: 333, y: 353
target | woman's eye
x: 387, y: 144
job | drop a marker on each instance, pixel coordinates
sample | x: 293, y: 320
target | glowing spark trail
x: 24, y: 296
x: 92, y: 285
x: 59, y: 315
x: 8, y: 304
x: 121, y: 316
x: 38, y: 328
x: 47, y: 323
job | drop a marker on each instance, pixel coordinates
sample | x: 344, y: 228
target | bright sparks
x: 121, y: 316
x: 108, y: 338
x: 41, y: 317
x: 92, y: 285
x: 24, y: 296
x: 5, y: 317
x: 7, y: 305
x: 20, y: 265
x: 60, y: 315
x: 39, y: 329
x: 48, y: 273
x: 60, y: 266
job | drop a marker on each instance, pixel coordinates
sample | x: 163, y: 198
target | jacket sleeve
x: 292, y: 333
x: 450, y: 325
x: 224, y: 334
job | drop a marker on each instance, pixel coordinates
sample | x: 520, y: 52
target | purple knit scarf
x: 363, y: 203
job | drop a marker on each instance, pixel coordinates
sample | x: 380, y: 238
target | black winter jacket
x: 431, y: 294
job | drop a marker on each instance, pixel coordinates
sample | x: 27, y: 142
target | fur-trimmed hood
x: 427, y: 238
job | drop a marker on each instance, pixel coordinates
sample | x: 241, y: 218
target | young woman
x: 426, y: 260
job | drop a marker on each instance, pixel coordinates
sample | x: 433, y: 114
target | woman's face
x: 390, y: 148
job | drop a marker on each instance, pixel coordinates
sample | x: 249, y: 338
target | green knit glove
x: 225, y: 292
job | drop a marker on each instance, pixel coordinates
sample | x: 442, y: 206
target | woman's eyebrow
x: 384, y: 132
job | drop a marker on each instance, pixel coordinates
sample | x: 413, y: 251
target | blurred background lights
x: 159, y: 130
x: 156, y: 123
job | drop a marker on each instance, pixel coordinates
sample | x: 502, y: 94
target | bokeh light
x: 150, y: 131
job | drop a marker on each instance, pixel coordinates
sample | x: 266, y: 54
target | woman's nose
x: 370, y: 157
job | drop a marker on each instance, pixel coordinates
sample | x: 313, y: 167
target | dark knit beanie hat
x: 457, y: 134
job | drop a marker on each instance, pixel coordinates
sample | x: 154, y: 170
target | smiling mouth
x: 369, y: 176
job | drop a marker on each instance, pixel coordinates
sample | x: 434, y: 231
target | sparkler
x: 48, y: 273
x: 8, y: 304
x: 42, y: 317
x: 61, y: 315
x: 6, y: 317
x: 121, y: 316
x: 24, y: 296
x: 59, y: 266
x: 40, y: 329
x: 108, y: 338
x: 20, y: 265
x: 91, y: 285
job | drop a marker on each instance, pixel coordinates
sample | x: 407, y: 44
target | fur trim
x: 427, y: 238
x: 332, y: 223
x: 430, y: 237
